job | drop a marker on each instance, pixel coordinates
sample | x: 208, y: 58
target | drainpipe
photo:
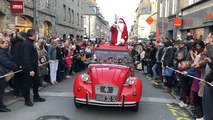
x: 34, y: 14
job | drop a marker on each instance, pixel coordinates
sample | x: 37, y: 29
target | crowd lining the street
x: 183, y: 66
x: 51, y: 60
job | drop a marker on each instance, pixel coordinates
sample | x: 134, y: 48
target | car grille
x: 106, y: 89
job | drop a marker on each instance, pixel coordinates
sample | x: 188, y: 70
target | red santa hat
x: 55, y: 38
x: 125, y: 32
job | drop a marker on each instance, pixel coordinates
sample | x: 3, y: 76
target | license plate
x: 106, y: 98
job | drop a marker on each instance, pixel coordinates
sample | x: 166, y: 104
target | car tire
x: 135, y: 108
x: 77, y: 105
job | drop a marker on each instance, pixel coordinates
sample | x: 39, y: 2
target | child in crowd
x: 184, y: 67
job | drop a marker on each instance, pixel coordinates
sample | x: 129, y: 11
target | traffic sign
x: 150, y: 20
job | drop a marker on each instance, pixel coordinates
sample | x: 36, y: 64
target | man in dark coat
x: 30, y: 68
x: 16, y: 51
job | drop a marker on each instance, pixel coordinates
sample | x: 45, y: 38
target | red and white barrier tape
x: 191, y: 76
x: 39, y: 65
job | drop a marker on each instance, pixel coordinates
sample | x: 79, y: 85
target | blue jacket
x: 6, y: 62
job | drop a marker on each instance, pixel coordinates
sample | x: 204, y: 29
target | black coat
x: 30, y: 56
x: 16, y: 50
x: 168, y: 58
x: 6, y: 62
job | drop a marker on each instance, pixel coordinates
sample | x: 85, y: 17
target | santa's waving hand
x: 119, y: 33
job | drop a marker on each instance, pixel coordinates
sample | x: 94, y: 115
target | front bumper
x: 87, y: 101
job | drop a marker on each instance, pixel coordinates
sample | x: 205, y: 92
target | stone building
x: 55, y: 17
x: 95, y: 26
x: 196, y: 17
x: 141, y: 29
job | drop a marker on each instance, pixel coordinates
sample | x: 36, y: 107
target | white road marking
x: 145, y: 99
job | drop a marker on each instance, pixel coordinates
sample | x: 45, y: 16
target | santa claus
x: 119, y: 33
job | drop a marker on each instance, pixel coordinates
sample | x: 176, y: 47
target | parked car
x: 109, y: 80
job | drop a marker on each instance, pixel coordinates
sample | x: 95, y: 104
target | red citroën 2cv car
x: 109, y: 80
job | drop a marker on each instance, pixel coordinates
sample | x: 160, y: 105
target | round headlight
x: 85, y: 77
x: 130, y: 81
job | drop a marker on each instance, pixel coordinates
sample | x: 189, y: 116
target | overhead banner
x: 17, y: 6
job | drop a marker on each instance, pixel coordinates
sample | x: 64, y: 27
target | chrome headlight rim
x: 84, y: 77
x: 130, y: 81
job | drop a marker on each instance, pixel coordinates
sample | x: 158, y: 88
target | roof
x: 87, y: 8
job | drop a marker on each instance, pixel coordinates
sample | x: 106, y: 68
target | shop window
x: 23, y: 23
x: 73, y: 17
x: 70, y: 16
x: 64, y: 6
x: 78, y: 19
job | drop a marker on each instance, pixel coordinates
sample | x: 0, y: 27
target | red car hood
x: 108, y: 74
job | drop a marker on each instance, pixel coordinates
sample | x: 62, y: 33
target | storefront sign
x: 20, y: 21
x: 208, y: 15
x: 17, y: 6
x: 177, y: 22
x: 188, y: 22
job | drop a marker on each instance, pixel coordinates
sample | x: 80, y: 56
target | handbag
x: 139, y: 66
x: 168, y: 72
x: 9, y: 75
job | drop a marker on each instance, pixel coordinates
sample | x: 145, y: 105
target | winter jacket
x: 16, y: 50
x: 42, y: 59
x: 52, y: 52
x: 6, y: 62
x: 30, y: 56
x: 168, y: 57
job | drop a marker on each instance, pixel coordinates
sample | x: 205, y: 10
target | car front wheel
x: 77, y: 105
x: 135, y: 108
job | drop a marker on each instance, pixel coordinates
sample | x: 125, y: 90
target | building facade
x: 95, y: 26
x: 197, y: 19
x: 55, y: 17
x: 141, y: 29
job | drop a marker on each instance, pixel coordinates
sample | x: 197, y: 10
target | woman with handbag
x: 6, y: 64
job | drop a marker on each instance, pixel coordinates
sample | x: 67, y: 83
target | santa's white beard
x: 120, y: 29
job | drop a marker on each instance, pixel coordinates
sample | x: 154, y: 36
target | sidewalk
x: 161, y: 86
x: 9, y: 99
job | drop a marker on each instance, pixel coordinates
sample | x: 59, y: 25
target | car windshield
x: 103, y: 54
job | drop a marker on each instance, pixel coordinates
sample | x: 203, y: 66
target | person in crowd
x: 147, y: 58
x: 195, y: 99
x: 6, y: 64
x: 77, y: 58
x: 185, y: 68
x: 8, y: 34
x: 73, y: 56
x: 180, y: 55
x: 88, y: 50
x: 16, y: 51
x: 30, y: 68
x: 140, y: 56
x: 153, y: 58
x: 42, y: 61
x: 61, y: 63
x: 1, y: 35
x: 53, y: 62
x: 68, y: 59
x: 208, y: 90
x: 167, y: 59
x: 156, y: 69
x: 204, y: 68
